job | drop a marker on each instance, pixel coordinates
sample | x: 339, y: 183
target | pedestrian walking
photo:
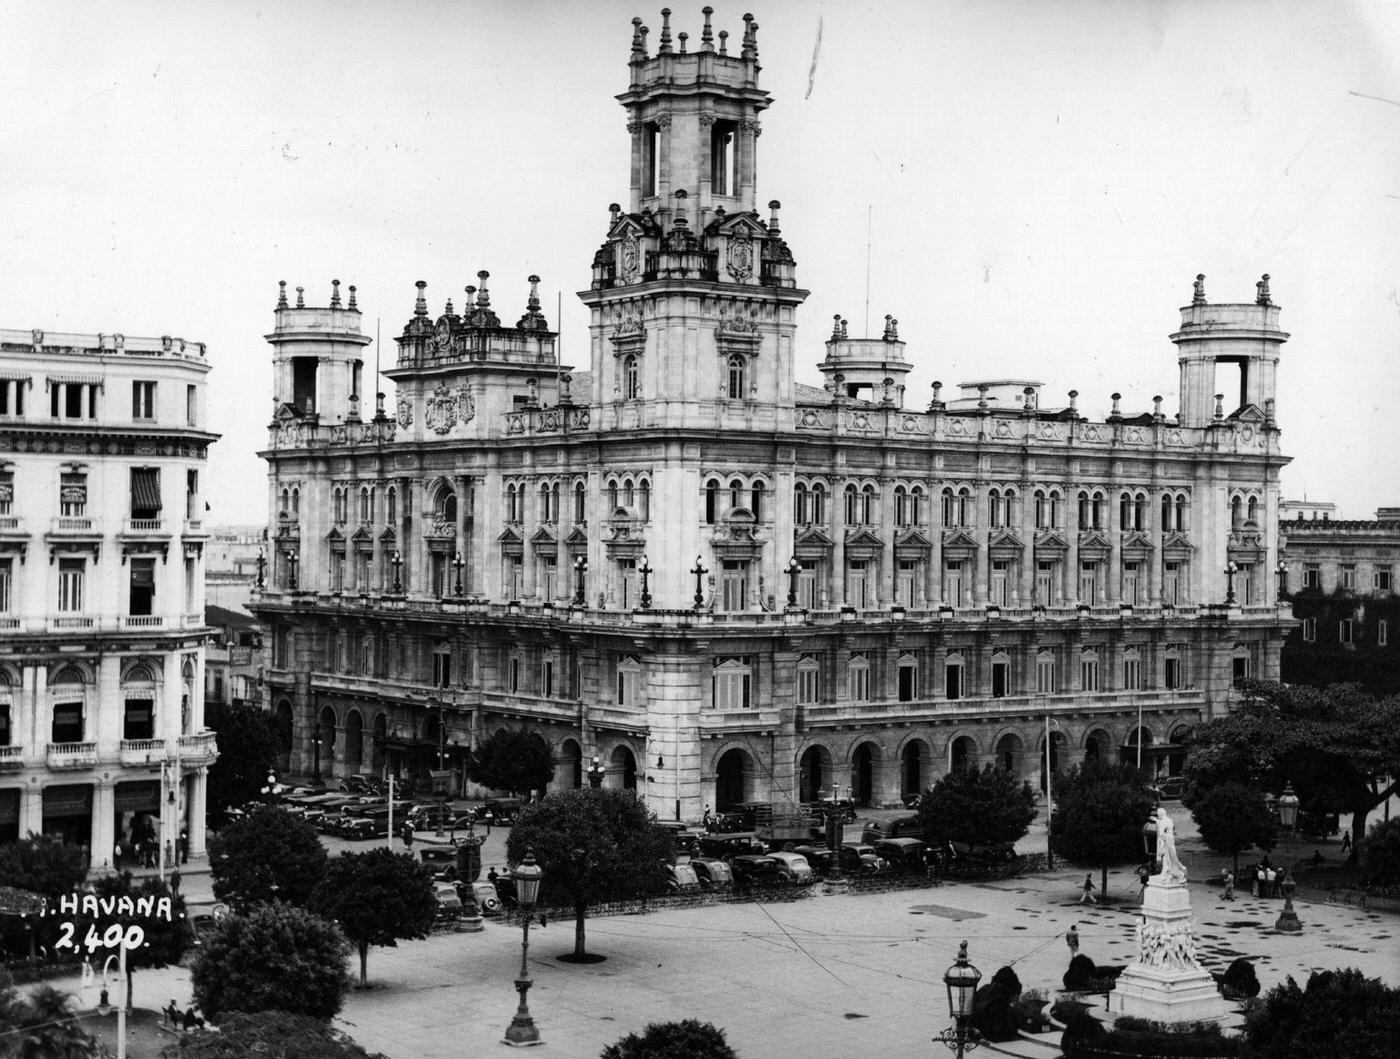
x: 137, y: 854
x: 492, y: 875
x: 709, y: 821
x: 1258, y: 888
x: 117, y: 856
x: 1270, y: 882
x: 1088, y: 890
x: 1229, y: 884
x: 1072, y: 940
x: 175, y: 882
x: 1143, y: 876
x: 1346, y: 840
x: 184, y: 845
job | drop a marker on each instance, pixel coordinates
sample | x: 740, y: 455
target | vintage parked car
x: 900, y: 827
x: 860, y: 859
x: 754, y: 872
x: 427, y: 817
x: 713, y: 873
x: 821, y: 859
x: 449, y: 902
x: 373, y: 823
x: 794, y: 867
x: 488, y: 901
x: 684, y: 838
x: 732, y: 845
x: 500, y: 811
x: 681, y: 878
x: 908, y: 856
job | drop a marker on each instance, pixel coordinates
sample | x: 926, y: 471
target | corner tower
x: 317, y: 359
x: 693, y: 294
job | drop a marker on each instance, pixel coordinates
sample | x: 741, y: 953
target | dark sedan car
x: 753, y: 872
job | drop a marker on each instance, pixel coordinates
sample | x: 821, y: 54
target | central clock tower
x: 693, y: 298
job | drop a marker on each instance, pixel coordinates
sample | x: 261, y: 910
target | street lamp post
x: 270, y: 791
x: 699, y: 571
x: 645, y: 571
x: 397, y: 561
x: 1049, y: 791
x: 291, y: 570
x: 580, y: 567
x: 595, y: 774
x: 961, y: 980
x: 1282, y: 571
x: 1288, y: 817
x: 1231, y: 569
x: 527, y: 875
x: 793, y: 569
x: 262, y: 566
x: 457, y: 564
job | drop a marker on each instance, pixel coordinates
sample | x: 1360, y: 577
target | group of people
x: 144, y: 850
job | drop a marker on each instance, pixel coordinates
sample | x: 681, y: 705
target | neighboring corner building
x: 233, y: 660
x: 232, y: 559
x: 102, y: 449
x: 727, y: 585
x: 1340, y: 577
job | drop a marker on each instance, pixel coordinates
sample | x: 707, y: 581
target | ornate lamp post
x: 316, y: 752
x: 793, y: 569
x: 457, y: 564
x: 397, y: 560
x: 645, y: 571
x: 961, y: 980
x: 527, y: 875
x: 1231, y: 569
x: 291, y: 570
x: 1282, y: 570
x: 262, y: 566
x: 580, y: 567
x: 595, y: 774
x: 1288, y: 817
x: 699, y: 571
x: 270, y: 791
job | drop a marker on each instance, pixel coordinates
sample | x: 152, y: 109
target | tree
x: 166, y: 940
x: 1233, y: 817
x: 687, y: 1039
x: 512, y: 761
x: 247, y: 752
x: 277, y: 958
x: 44, y: 864
x: 377, y: 898
x: 1100, y: 812
x: 594, y: 845
x: 978, y: 807
x: 1339, y: 747
x: 269, y: 1035
x: 269, y: 855
x: 1380, y: 858
x: 44, y: 1026
x: 1339, y: 1013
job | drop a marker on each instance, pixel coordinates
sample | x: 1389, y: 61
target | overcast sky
x: 1038, y: 184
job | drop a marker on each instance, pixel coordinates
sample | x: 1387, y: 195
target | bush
x: 1085, y: 977
x: 1132, y: 1036
x: 1239, y: 979
x: 687, y: 1039
x: 1380, y: 854
x: 993, y: 1015
x: 1339, y: 1013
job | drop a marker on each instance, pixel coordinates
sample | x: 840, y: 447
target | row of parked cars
x: 742, y: 861
x: 367, y: 815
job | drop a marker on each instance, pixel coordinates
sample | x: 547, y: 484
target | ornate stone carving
x: 440, y: 411
x: 405, y: 412
x: 1170, y: 946
x: 466, y: 405
x: 630, y: 262
x: 740, y: 256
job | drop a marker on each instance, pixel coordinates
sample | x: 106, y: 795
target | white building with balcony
x: 102, y: 463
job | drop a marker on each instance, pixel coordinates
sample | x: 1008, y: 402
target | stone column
x: 199, y: 797
x: 31, y: 810
x: 104, y: 829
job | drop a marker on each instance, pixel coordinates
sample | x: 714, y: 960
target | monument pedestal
x: 1165, y: 983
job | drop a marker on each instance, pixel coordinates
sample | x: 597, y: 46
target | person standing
x: 1229, y: 884
x: 175, y: 882
x: 1072, y: 940
x: 1087, y: 894
x: 184, y: 845
x: 117, y: 856
x: 1346, y: 840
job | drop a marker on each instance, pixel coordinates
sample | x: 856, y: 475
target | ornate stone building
x: 724, y: 583
x: 102, y: 453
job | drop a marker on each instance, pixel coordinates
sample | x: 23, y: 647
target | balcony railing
x: 142, y: 751
x: 142, y: 525
x: 71, y: 622
x: 11, y: 758
x: 142, y: 621
x: 8, y: 624
x: 72, y: 755
x: 9, y: 523
x: 72, y: 524
x: 738, y: 720
x: 198, y: 749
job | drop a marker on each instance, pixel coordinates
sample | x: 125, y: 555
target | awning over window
x: 145, y: 489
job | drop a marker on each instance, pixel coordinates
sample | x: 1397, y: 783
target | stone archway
x: 282, y: 726
x: 732, y: 775
x: 1096, y: 746
x: 323, y: 745
x: 1011, y: 754
x: 354, y: 742
x: 569, y: 775
x: 914, y: 761
x: 864, y: 762
x: 623, y: 765
x: 1136, y: 739
x: 814, y: 773
x: 962, y: 753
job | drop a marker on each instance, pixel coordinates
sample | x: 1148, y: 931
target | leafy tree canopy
x: 43, y: 1025
x: 1100, y: 810
x: 377, y: 897
x: 1380, y: 857
x: 1339, y: 747
x: 978, y: 807
x: 166, y: 941
x: 44, y: 864
x: 594, y: 845
x: 1339, y: 1013
x: 514, y: 761
x: 277, y: 958
x: 269, y: 1035
x: 269, y: 855
x: 1233, y: 817
x: 247, y: 752
x: 687, y: 1039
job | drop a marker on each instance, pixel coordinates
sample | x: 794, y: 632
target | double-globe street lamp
x: 1288, y: 817
x: 961, y: 980
x: 527, y: 876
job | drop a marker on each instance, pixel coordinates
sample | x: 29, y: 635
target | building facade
x: 1339, y: 575
x: 728, y: 585
x: 102, y: 460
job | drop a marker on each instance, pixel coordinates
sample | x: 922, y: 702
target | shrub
x: 687, y: 1039
x: 1340, y: 1013
x: 1239, y: 979
x: 993, y: 1015
x: 1380, y: 854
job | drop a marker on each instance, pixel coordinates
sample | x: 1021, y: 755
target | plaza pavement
x: 823, y: 976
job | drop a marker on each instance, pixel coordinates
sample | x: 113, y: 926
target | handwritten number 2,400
x: 114, y: 937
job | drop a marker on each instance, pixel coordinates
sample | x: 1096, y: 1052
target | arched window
x: 951, y: 508
x: 868, y: 506
x: 736, y: 493
x: 629, y: 493
x: 339, y: 505
x: 901, y: 501
x: 819, y: 503
x: 391, y: 504
x: 1181, y: 513
x: 296, y: 501
x: 1042, y: 510
x: 801, y: 512
x: 448, y: 509
x: 1236, y: 510
x: 757, y: 506
x: 580, y: 503
x: 544, y: 503
x: 554, y: 502
x: 711, y: 501
x: 1252, y: 515
x: 644, y: 488
x: 852, y: 506
x: 736, y: 378
x: 1099, y: 506
x: 1086, y: 511
x: 1125, y: 511
x: 1056, y: 509
x: 612, y: 496
x: 965, y: 502
x: 916, y: 503
x: 1140, y: 511
x: 286, y: 507
x: 631, y: 387
x: 1167, y: 526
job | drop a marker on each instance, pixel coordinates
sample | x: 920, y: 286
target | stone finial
x: 707, y: 37
x: 1220, y: 406
x: 1074, y: 401
x: 281, y: 294
x: 352, y: 306
x: 887, y: 390
x: 639, y: 43
x: 835, y: 326
x: 1029, y: 394
x: 1117, y: 412
x: 982, y: 401
x: 471, y: 297
x: 1261, y: 296
x: 724, y: 42
x: 614, y: 211
x: 301, y: 297
x: 447, y: 309
x: 844, y: 332
x: 335, y: 294
x: 773, y: 207
x: 937, y: 401
x: 483, y: 297
x: 665, y: 45
x: 532, y: 303
x: 420, y: 307
x: 750, y: 49
x: 680, y: 221
x: 682, y: 37
x: 891, y: 329
x: 1157, y: 407
x: 1198, y: 290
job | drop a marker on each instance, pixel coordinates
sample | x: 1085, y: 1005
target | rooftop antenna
x: 376, y: 352
x: 868, y: 210
x: 558, y: 344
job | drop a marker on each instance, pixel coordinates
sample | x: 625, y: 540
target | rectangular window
x: 70, y: 585
x: 1046, y: 584
x: 142, y: 598
x: 908, y: 576
x: 807, y: 584
x: 72, y: 494
x: 1382, y: 633
x: 1089, y: 583
x: 1001, y: 576
x: 191, y: 571
x: 1348, y: 573
x: 732, y: 687
x: 1088, y: 674
x: 143, y: 400
x: 12, y: 397
x: 145, y: 492
x: 630, y: 591
x: 1001, y: 679
x: 139, y: 720
x: 1130, y: 584
x: 857, y: 583
x: 514, y: 575
x: 1171, y: 673
x: 908, y: 682
x: 1312, y: 575
x: 442, y: 666
x: 1132, y: 674
x: 1239, y: 670
x: 7, y: 569
x: 547, y: 677
x: 4, y: 724
x: 628, y: 686
x: 192, y: 496
x: 362, y: 565
x: 337, y: 571
x: 858, y: 684
x: 808, y: 685
x: 513, y: 674
x: 1171, y: 583
x: 953, y: 583
x: 1381, y: 581
x: 1344, y: 631
x: 439, y: 582
x: 1309, y: 630
x: 7, y: 492
x: 547, y: 573
x: 952, y: 680
x: 1045, y: 675
x: 191, y: 399
x: 67, y: 722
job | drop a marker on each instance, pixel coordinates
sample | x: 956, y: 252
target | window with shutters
x: 142, y: 596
